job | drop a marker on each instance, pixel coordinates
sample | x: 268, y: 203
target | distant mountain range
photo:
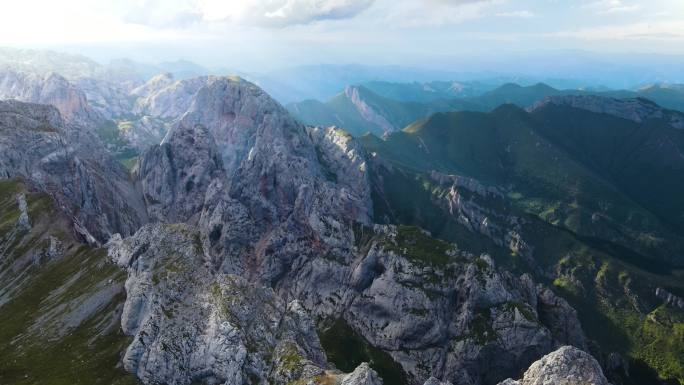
x: 386, y: 107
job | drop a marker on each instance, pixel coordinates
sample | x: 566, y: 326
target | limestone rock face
x: 263, y: 226
x: 565, y: 366
x: 366, y: 111
x: 192, y: 323
x: 23, y: 220
x: 279, y: 212
x: 175, y: 175
x: 36, y: 145
x: 464, y: 321
x: 163, y: 97
x: 50, y: 89
x: 561, y: 318
x: 110, y: 98
x: 270, y: 162
x: 362, y: 375
x: 343, y: 160
x: 144, y: 114
x: 670, y: 299
x: 434, y: 381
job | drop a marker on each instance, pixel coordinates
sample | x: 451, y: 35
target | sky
x: 263, y: 34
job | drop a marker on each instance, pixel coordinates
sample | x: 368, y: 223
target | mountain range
x: 380, y: 108
x: 193, y: 230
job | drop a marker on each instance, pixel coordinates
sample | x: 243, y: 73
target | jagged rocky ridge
x: 282, y: 212
x: 264, y: 233
x: 636, y: 109
x: 127, y: 115
x: 50, y: 89
x: 68, y: 162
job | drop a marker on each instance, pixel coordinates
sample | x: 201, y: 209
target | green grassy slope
x: 643, y: 160
x: 522, y: 96
x: 509, y: 148
x: 59, y: 314
x: 112, y: 137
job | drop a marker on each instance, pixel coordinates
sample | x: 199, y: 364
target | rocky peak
x: 155, y: 84
x: 270, y: 160
x: 163, y: 97
x: 565, y: 366
x: 355, y: 96
x: 362, y: 375
x: 50, y: 89
x: 241, y: 117
x: 110, y: 98
x: 279, y: 206
x: 669, y: 298
x: 243, y: 167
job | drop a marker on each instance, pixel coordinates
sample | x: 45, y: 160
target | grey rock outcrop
x: 362, y: 375
x: 471, y: 325
x: 561, y: 318
x: 367, y: 112
x: 23, y: 221
x: 275, y: 211
x: 193, y: 323
x: 270, y: 162
x: 434, y: 381
x: 109, y: 98
x: 669, y: 298
x: 163, y: 97
x: 38, y: 146
x: 142, y: 132
x: 565, y: 366
x: 145, y: 114
x: 50, y: 89
x: 175, y: 175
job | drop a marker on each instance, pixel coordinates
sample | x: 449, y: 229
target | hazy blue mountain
x: 428, y: 91
x: 380, y: 107
x: 359, y: 110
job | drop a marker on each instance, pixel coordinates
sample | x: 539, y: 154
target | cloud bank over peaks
x: 260, y: 13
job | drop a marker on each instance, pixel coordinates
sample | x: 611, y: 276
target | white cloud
x: 78, y: 21
x: 159, y: 13
x: 431, y: 13
x: 524, y: 14
x: 263, y: 13
x: 603, y: 7
x: 661, y: 31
